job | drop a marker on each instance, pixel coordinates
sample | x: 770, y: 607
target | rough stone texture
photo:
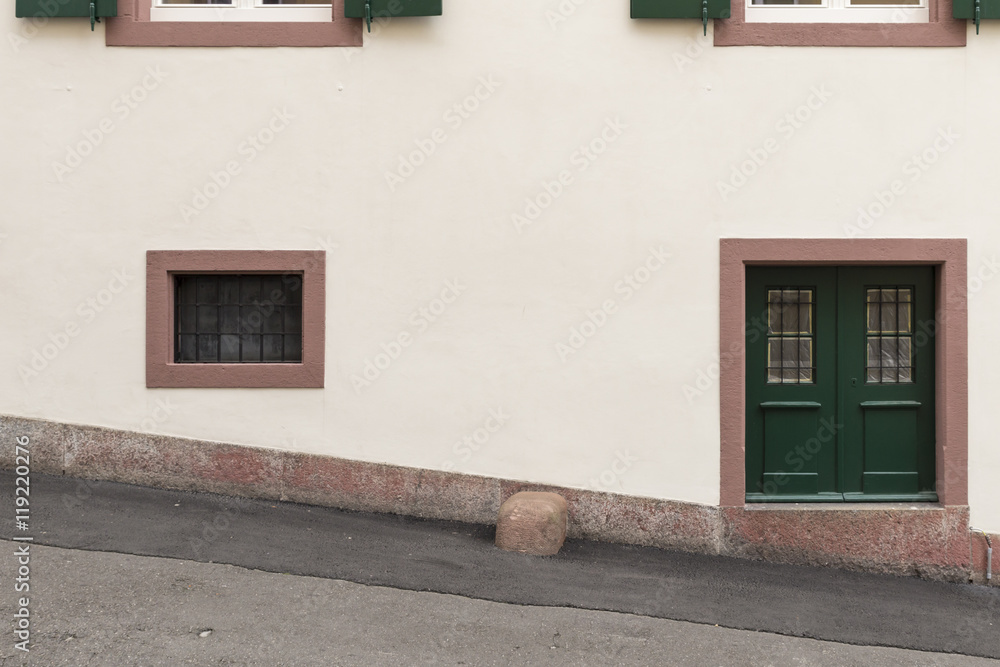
x: 931, y: 542
x: 374, y: 487
x: 532, y: 522
x: 979, y: 559
x: 173, y: 463
x: 608, y: 517
x: 45, y: 442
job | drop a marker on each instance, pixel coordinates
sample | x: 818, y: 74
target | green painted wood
x: 790, y: 440
x: 857, y: 440
x: 869, y: 405
x: 679, y: 9
x: 804, y: 405
x: 890, y: 482
x: 966, y: 9
x: 355, y: 9
x: 796, y: 498
x: 921, y: 497
x: 64, y: 8
x: 801, y: 483
x: 879, y: 437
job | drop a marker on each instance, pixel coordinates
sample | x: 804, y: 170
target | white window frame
x: 837, y: 11
x: 241, y: 11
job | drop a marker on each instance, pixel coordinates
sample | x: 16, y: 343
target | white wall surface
x: 688, y: 122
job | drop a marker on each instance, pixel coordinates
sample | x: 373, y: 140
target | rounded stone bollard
x: 532, y: 522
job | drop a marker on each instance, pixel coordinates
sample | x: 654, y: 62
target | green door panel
x: 890, y: 440
x: 860, y: 425
x: 793, y: 483
x: 888, y: 427
x: 790, y: 452
x: 892, y: 483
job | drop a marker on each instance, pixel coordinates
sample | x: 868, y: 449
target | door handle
x: 854, y: 382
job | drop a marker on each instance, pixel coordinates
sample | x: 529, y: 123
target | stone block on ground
x: 532, y: 522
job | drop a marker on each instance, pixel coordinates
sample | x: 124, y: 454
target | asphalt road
x: 105, y: 609
x: 459, y: 559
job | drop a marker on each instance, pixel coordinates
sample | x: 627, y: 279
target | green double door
x: 840, y: 384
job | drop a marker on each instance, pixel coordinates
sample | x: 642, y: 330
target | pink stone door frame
x: 948, y: 256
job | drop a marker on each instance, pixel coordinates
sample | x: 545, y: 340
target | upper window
x: 241, y: 10
x: 840, y: 23
x: 232, y: 23
x: 837, y: 11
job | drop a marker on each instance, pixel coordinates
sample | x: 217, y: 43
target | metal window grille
x: 890, y: 335
x: 790, y: 336
x: 238, y: 318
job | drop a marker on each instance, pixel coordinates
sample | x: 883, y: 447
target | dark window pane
x: 272, y: 347
x: 229, y: 348
x: 273, y: 319
x: 293, y: 319
x: 250, y: 319
x: 250, y: 289
x: 270, y: 290
x: 229, y: 319
x: 293, y: 289
x: 229, y: 289
x: 208, y: 319
x: 208, y: 347
x: 238, y: 318
x: 251, y: 347
x: 293, y: 348
x: 186, y: 289
x: 187, y: 348
x: 186, y: 319
x: 208, y: 289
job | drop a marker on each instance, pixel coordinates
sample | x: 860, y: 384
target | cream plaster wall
x: 690, y: 112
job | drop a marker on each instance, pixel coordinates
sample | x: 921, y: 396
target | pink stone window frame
x: 132, y: 27
x: 162, y: 265
x: 948, y: 256
x: 940, y: 30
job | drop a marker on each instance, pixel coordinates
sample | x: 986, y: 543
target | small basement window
x: 235, y: 318
x: 238, y: 318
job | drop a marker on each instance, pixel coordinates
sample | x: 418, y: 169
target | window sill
x: 941, y: 30
x: 133, y: 27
